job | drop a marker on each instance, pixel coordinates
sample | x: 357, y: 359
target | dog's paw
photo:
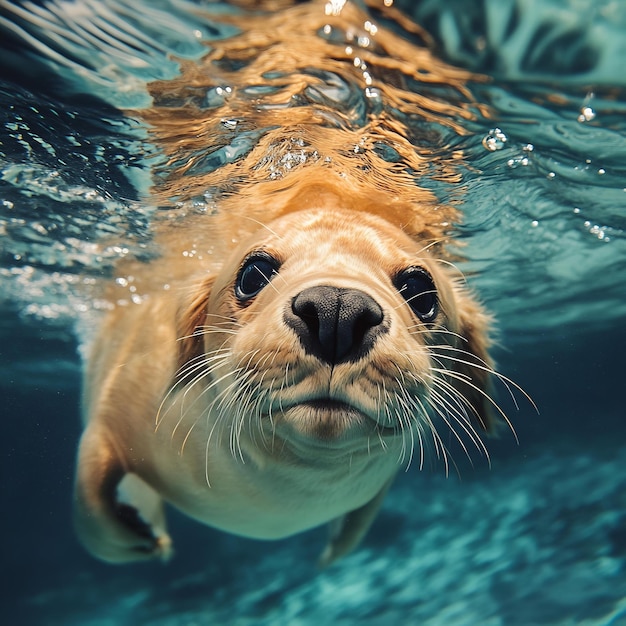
x: 149, y: 543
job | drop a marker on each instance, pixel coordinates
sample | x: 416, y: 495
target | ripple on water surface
x: 543, y: 180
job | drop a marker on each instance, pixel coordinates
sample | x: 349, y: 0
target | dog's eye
x: 255, y: 273
x: 418, y: 289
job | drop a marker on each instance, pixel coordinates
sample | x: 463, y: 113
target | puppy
x: 284, y: 391
x: 296, y: 347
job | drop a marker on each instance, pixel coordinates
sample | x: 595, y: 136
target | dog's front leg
x: 118, y: 517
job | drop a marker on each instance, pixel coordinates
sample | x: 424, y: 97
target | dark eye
x: 418, y: 289
x: 256, y: 272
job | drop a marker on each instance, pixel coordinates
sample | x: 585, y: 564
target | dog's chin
x: 330, y: 422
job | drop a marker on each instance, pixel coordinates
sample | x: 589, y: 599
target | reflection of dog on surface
x: 284, y: 387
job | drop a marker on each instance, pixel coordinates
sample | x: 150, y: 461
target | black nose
x: 335, y: 324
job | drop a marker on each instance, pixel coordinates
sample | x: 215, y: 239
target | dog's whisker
x: 204, y: 365
x: 189, y: 387
x: 467, y: 381
x: 404, y: 411
x: 454, y: 267
x: 185, y: 439
x: 443, y: 409
x: 226, y: 319
x: 456, y: 405
x: 265, y: 226
x: 409, y: 300
x: 483, y: 365
x: 217, y: 422
x: 418, y: 329
x: 440, y: 448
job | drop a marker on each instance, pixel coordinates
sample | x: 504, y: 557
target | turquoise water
x: 537, y: 538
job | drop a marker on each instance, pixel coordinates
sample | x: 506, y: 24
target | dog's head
x: 334, y: 326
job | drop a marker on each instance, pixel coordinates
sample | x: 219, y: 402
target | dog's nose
x: 335, y: 324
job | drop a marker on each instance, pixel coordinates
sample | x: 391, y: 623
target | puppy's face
x: 335, y: 328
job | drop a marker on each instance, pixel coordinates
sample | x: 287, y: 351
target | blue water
x: 537, y: 537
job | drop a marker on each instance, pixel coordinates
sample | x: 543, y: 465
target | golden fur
x: 221, y: 403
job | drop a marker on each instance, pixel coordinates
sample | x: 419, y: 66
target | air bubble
x: 494, y: 140
x: 586, y: 114
x: 370, y: 27
x: 517, y: 161
x: 334, y: 7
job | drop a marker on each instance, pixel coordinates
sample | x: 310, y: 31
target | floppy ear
x: 473, y: 364
x: 190, y: 319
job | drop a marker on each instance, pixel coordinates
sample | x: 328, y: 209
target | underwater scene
x: 127, y: 128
